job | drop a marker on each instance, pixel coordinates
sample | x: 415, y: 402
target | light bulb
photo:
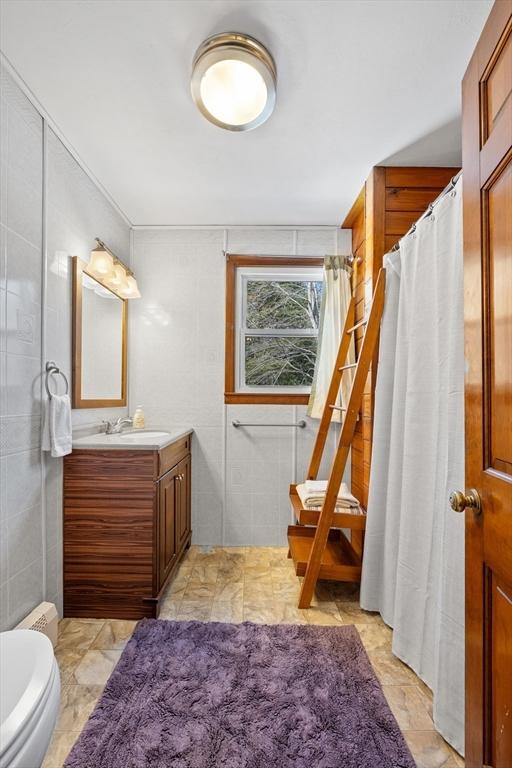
x: 131, y: 291
x: 101, y: 263
x: 118, y: 280
x: 233, y: 91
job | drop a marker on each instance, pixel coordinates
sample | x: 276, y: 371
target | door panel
x: 501, y: 673
x: 499, y: 232
x: 167, y: 524
x: 498, y: 85
x: 487, y: 193
x: 183, y: 513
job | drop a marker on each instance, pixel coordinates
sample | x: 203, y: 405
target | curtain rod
x: 451, y: 184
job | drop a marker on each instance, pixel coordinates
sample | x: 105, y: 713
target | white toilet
x: 29, y: 697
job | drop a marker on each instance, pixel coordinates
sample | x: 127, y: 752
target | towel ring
x: 52, y: 368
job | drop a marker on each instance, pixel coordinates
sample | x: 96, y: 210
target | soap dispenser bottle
x: 138, y: 418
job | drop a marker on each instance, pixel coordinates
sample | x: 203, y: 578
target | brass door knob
x: 459, y: 501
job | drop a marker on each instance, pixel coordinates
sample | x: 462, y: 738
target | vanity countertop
x: 148, y: 439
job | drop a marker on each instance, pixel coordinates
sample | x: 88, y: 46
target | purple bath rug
x: 206, y: 695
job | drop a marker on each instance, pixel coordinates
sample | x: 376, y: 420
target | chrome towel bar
x: 300, y: 424
x: 52, y: 368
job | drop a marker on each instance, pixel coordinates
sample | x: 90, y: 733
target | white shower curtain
x: 335, y: 300
x: 413, y: 568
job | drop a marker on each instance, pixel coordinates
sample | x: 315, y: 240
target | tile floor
x: 234, y: 585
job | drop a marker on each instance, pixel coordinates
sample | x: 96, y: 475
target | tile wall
x: 34, y: 331
x: 240, y: 476
x: 21, y: 467
x: 77, y: 212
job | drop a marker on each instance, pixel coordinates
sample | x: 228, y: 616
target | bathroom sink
x: 141, y: 434
x: 132, y: 440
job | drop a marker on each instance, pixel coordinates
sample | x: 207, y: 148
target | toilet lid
x: 26, y: 664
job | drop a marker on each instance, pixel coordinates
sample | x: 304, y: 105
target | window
x: 273, y: 314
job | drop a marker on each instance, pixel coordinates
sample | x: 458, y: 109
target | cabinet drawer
x: 171, y: 454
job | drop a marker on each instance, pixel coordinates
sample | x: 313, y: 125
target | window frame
x: 238, y: 268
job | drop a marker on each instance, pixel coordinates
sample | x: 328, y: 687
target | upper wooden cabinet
x: 127, y: 522
x: 391, y: 200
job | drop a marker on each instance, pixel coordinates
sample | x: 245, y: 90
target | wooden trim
x: 375, y: 239
x: 376, y: 203
x: 247, y: 260
x: 229, y: 356
x: 356, y: 210
x: 407, y: 199
x: 233, y: 261
x: 256, y: 398
x: 419, y: 177
x: 76, y: 326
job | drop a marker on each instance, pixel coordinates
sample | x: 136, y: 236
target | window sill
x: 254, y: 398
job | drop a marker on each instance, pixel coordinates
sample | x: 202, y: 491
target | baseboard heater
x: 44, y: 618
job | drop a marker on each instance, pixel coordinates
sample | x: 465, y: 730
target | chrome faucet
x: 115, y: 427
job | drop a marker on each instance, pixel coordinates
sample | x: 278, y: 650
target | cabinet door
x: 168, y: 505
x: 183, y: 521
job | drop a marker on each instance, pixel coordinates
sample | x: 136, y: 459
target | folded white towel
x: 312, y: 495
x: 57, y: 426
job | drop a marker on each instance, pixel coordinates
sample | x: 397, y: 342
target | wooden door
x: 183, y: 522
x: 487, y: 192
x: 168, y: 503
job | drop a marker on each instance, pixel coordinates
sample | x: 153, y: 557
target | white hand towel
x: 57, y: 426
x: 312, y: 494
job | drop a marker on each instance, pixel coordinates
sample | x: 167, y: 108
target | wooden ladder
x: 324, y: 551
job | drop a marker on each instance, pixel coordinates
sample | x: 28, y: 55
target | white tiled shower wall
x: 240, y: 476
x: 34, y: 331
x: 21, y: 467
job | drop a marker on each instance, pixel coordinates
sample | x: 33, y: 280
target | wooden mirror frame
x: 79, y: 267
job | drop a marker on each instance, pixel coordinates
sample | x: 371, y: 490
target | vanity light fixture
x: 109, y: 271
x: 132, y: 289
x: 234, y: 81
x: 101, y: 263
x: 118, y: 280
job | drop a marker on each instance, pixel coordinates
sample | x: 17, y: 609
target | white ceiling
x: 360, y: 82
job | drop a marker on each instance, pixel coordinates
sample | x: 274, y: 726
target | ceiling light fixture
x: 234, y: 81
x: 110, y: 272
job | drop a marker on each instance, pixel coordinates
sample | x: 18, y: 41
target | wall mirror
x: 99, y: 342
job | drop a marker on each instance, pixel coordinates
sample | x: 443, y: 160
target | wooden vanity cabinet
x: 127, y: 523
